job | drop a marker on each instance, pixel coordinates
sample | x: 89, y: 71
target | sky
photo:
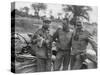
x: 56, y: 8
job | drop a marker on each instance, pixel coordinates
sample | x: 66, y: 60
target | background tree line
x: 77, y: 12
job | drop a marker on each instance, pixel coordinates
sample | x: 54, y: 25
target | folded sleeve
x: 92, y: 42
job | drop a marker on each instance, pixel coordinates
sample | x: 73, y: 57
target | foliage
x: 77, y: 12
x: 26, y: 9
x: 38, y: 7
x: 59, y: 15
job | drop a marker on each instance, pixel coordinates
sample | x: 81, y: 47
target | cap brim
x: 47, y: 21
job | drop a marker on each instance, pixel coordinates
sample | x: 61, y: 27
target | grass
x: 26, y: 25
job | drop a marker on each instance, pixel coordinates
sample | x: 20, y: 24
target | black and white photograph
x: 49, y: 37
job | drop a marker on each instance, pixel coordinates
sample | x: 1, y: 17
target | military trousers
x: 62, y: 60
x: 43, y: 65
x: 77, y: 61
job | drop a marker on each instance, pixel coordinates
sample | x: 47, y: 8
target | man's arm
x: 55, y: 36
x: 35, y: 38
x: 92, y: 42
x: 54, y: 39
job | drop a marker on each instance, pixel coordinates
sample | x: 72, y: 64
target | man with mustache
x: 80, y: 40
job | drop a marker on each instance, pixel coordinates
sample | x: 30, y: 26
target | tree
x: 38, y: 7
x: 77, y: 12
x: 50, y: 12
x: 26, y: 9
x: 59, y: 15
x: 51, y: 16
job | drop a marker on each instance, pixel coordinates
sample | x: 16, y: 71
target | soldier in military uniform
x: 62, y: 37
x: 41, y: 41
x: 80, y: 40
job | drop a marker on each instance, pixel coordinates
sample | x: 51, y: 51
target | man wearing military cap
x: 42, y: 40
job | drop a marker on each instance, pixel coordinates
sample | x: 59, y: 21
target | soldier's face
x: 79, y: 25
x: 65, y: 27
x: 65, y: 21
x: 46, y: 25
